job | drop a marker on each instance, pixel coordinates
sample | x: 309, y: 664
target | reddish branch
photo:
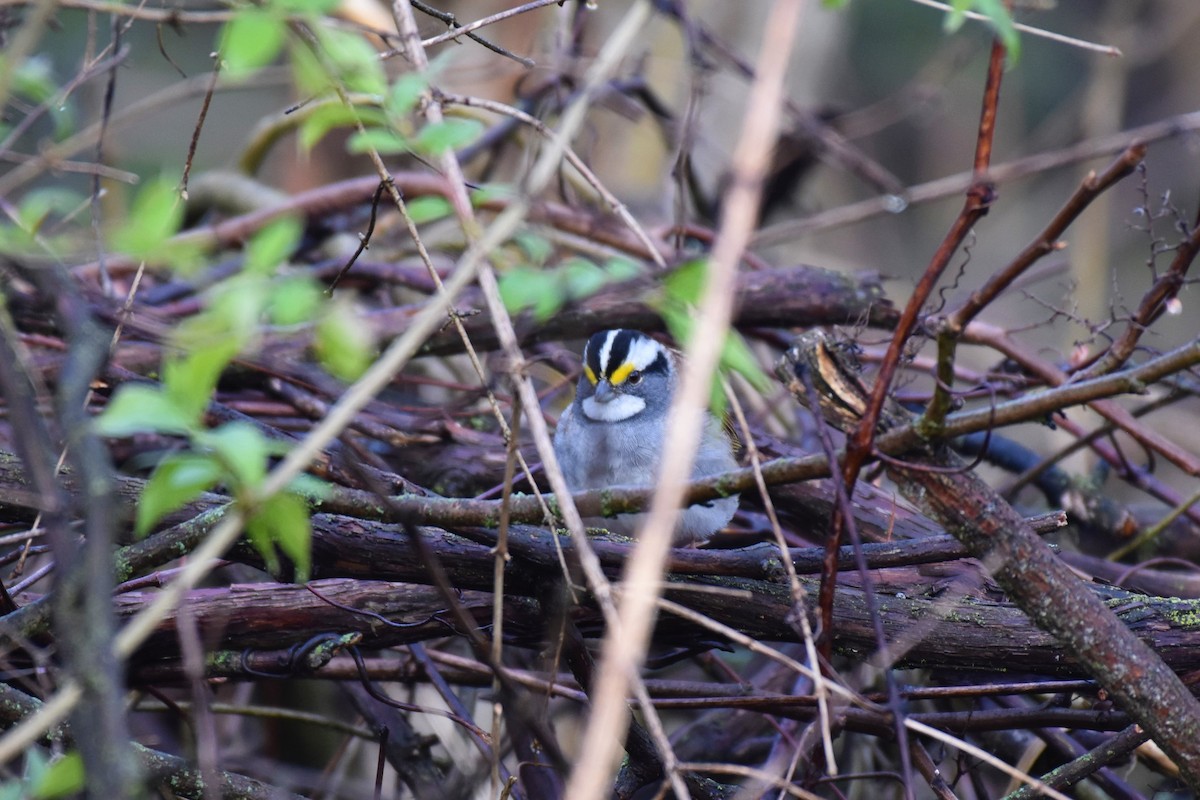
x: 978, y: 200
x: 1048, y: 240
x: 950, y: 328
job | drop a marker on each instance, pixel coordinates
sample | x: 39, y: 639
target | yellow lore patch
x: 591, y: 376
x: 621, y: 373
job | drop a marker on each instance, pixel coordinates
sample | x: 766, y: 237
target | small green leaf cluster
x: 383, y: 109
x: 320, y: 56
x: 258, y: 33
x: 534, y: 286
x: 33, y: 82
x: 46, y: 779
x: 997, y: 14
x: 34, y: 231
x: 998, y: 17
x: 393, y: 131
x: 344, y: 346
x: 681, y: 292
x: 147, y: 231
x: 236, y: 454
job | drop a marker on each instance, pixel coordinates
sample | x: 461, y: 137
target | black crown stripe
x: 620, y: 350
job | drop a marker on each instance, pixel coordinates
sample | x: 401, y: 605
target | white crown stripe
x: 643, y: 351
x: 606, y: 351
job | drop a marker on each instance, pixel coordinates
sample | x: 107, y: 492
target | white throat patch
x: 623, y: 406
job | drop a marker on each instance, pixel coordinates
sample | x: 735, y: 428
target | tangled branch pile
x: 282, y: 456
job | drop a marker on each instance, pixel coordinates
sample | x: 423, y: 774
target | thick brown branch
x: 929, y: 629
x: 795, y: 296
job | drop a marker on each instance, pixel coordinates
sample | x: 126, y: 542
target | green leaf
x: 679, y: 322
x: 343, y: 344
x: 137, y: 408
x: 383, y: 141
x: 241, y: 449
x: 34, y: 80
x: 295, y: 301
x: 252, y: 39
x: 405, y: 94
x: 428, y: 209
x: 834, y: 5
x: 998, y: 18
x: 49, y: 199
x: 232, y: 319
x: 273, y: 245
x: 354, y: 60
x: 325, y: 118
x: 310, y: 77
x: 259, y: 534
x: 1002, y: 22
x: 449, y: 134
x: 548, y: 304
x: 537, y: 249
x: 305, y: 7
x: 312, y: 489
x: 154, y: 218
x: 621, y: 269
x: 582, y: 278
x: 685, y: 284
x: 177, y: 480
x: 737, y: 357
x: 283, y: 520
x: 956, y: 16
x: 735, y: 353
x: 523, y: 288
x: 40, y: 204
x: 15, y: 240
x: 62, y: 777
x: 190, y: 380
x: 287, y: 522
x: 239, y: 305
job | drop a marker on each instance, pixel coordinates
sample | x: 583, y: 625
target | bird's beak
x: 605, y: 393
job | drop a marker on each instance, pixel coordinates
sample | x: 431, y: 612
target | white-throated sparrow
x: 612, y: 433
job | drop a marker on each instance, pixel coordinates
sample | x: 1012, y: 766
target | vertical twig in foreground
x: 624, y: 648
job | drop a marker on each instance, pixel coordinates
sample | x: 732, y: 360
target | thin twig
x: 950, y: 328
x: 459, y: 30
x: 1037, y: 164
x: 1105, y: 49
x: 624, y: 647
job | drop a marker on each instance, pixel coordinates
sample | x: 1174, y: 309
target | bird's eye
x: 634, y: 378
